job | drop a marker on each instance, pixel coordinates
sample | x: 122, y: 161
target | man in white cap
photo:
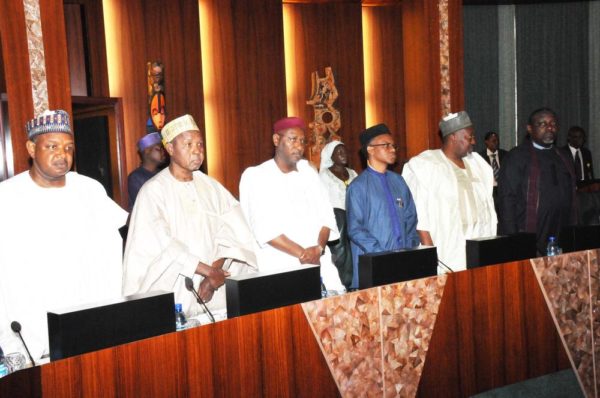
x: 59, y: 242
x: 288, y: 208
x: 185, y: 224
x: 452, y: 189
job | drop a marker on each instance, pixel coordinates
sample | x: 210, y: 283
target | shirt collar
x: 538, y: 146
x: 372, y: 170
x: 490, y: 153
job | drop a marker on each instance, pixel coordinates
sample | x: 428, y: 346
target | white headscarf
x: 326, y: 153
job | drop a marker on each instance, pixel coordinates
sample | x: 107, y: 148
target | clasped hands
x: 214, y: 278
x: 311, y: 255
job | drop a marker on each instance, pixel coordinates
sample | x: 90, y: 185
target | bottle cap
x: 552, y: 238
x: 178, y: 307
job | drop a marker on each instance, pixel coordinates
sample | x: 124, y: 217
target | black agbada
x: 536, y: 190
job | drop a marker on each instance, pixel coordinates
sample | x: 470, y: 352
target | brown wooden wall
x: 245, y: 89
x: 142, y: 31
x: 384, y: 70
x: 247, y: 72
x: 493, y: 328
x: 330, y: 34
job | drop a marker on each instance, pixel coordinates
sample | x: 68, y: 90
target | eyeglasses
x: 544, y: 125
x: 387, y: 146
x: 295, y: 140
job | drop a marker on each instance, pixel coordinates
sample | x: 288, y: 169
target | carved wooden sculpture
x: 156, y: 96
x: 327, y: 121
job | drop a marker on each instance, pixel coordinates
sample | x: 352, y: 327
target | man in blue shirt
x: 379, y: 206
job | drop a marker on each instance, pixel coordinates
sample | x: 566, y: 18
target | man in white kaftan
x: 452, y: 188
x: 288, y: 209
x: 59, y: 242
x: 183, y: 218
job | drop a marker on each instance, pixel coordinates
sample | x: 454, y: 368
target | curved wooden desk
x: 493, y: 328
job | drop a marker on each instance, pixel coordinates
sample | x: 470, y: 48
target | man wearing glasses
x: 380, y: 209
x: 536, y: 186
x: 288, y: 209
x: 453, y: 192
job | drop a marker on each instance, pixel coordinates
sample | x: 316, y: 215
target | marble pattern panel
x: 595, y: 295
x: 375, y: 340
x: 347, y: 328
x: 408, y: 313
x: 565, y: 282
x: 37, y: 63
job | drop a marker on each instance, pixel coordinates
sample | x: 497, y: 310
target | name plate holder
x: 383, y: 268
x: 249, y: 293
x: 77, y: 330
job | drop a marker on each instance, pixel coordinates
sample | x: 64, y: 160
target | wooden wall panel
x: 2, y: 79
x: 76, y: 49
x: 245, y: 90
x: 384, y: 75
x: 18, y: 79
x: 55, y: 49
x: 93, y: 14
x: 455, y: 33
x: 125, y: 42
x: 172, y: 32
x: 493, y: 328
x: 329, y: 34
x: 420, y: 24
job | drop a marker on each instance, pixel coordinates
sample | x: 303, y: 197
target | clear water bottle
x: 323, y: 289
x: 3, y: 366
x: 553, y: 249
x: 180, y: 320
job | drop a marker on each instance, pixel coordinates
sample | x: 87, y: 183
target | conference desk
x: 446, y: 336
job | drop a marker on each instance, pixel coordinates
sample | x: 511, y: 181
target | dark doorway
x: 92, y: 157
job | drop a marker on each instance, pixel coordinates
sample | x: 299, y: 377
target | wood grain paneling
x: 18, y: 78
x: 420, y: 23
x: 235, y: 358
x: 2, y: 77
x: 76, y: 49
x: 455, y: 33
x: 329, y: 34
x: 55, y: 50
x: 125, y: 40
x: 498, y: 332
x: 493, y: 328
x: 384, y: 70
x: 245, y: 91
x: 141, y: 31
x: 172, y: 33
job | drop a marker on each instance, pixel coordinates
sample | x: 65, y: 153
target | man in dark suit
x: 582, y: 157
x: 494, y: 156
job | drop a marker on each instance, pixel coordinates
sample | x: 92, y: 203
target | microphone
x: 189, y: 285
x: 445, y: 266
x: 16, y: 327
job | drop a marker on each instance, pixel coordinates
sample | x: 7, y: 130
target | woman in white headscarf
x: 335, y: 177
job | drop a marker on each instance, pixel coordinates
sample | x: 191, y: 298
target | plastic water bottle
x: 180, y: 320
x: 553, y: 249
x: 3, y: 366
x: 323, y: 289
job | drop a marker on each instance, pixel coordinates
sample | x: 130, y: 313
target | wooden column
x: 49, y: 57
x: 426, y: 89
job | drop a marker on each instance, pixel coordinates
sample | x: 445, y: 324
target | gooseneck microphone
x: 16, y: 327
x: 444, y: 265
x: 189, y: 285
